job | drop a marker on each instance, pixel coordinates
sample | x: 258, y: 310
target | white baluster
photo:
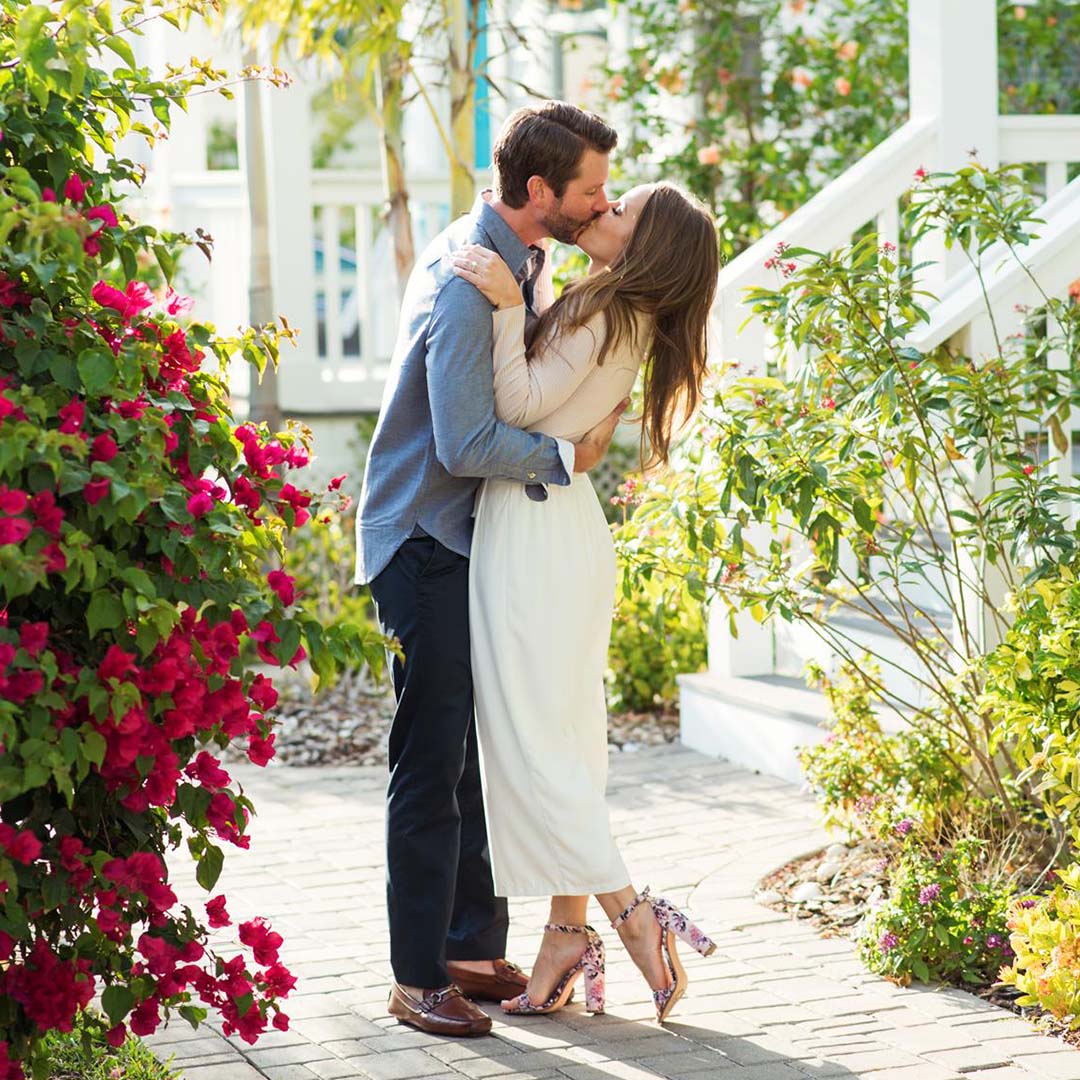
x: 1057, y: 176
x: 331, y: 230
x: 365, y: 302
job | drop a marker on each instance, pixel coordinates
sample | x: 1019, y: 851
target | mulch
x: 348, y: 723
x: 832, y: 890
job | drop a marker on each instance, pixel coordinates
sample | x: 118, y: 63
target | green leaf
x: 122, y: 49
x: 863, y: 515
x: 97, y: 369
x: 166, y: 260
x: 209, y: 868
x: 105, y: 612
x: 117, y: 1001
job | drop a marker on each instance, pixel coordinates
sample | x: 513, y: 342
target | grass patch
x: 83, y: 1054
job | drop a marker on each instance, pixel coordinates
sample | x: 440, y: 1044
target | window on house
x: 222, y: 149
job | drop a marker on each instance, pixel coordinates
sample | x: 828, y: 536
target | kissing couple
x: 490, y: 561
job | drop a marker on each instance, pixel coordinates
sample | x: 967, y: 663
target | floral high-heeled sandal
x: 673, y: 924
x: 591, y: 965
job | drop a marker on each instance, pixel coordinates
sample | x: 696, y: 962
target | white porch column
x: 952, y: 67
x: 292, y: 230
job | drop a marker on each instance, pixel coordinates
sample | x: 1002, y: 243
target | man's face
x: 582, y: 202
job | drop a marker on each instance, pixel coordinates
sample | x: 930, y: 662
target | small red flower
x: 200, y: 504
x: 216, y: 913
x: 75, y: 189
x: 103, y: 448
x: 96, y: 490
x: 335, y: 484
x: 283, y: 585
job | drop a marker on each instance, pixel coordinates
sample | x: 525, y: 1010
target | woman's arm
x: 527, y: 391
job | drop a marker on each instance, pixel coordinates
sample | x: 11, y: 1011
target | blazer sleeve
x: 470, y: 440
x: 528, y: 391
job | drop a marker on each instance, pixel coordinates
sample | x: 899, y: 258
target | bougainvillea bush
x: 141, y: 532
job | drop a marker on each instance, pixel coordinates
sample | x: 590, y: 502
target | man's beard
x: 566, y: 229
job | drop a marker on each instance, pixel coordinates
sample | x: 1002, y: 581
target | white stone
x: 767, y: 897
x: 836, y: 851
x: 828, y: 870
x: 808, y: 890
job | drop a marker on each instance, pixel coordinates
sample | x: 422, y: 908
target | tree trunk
x: 463, y: 18
x: 263, y: 402
x: 389, y: 84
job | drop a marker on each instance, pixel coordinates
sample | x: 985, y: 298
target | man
x: 436, y: 438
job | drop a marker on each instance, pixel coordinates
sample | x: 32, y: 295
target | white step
x: 758, y: 722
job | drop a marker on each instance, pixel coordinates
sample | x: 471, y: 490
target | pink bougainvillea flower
x: 72, y: 416
x: 283, y: 585
x: 135, y: 298
x: 96, y: 490
x: 200, y: 504
x: 176, y: 305
x: 55, y: 559
x: 336, y: 483
x: 216, y: 913
x: 14, y: 530
x: 278, y: 979
x: 116, y: 1036
x: 103, y: 448
x: 104, y: 213
x: 263, y: 941
x: 260, y: 751
x: 12, y: 500
x: 75, y: 189
x: 48, y: 195
x: 11, y: 294
x: 91, y: 246
x: 117, y: 664
x: 297, y: 457
x: 20, y: 844
x: 47, y: 515
x: 281, y: 1021
x: 34, y: 636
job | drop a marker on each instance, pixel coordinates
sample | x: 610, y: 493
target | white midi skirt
x: 542, y: 583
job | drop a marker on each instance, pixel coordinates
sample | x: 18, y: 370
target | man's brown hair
x: 549, y: 141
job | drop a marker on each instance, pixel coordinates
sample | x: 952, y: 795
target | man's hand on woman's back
x: 590, y: 451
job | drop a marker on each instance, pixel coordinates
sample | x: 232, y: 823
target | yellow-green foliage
x: 654, y: 637
x: 1045, y: 939
x: 1033, y: 694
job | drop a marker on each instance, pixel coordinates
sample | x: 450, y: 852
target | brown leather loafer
x: 441, y: 1012
x: 507, y: 982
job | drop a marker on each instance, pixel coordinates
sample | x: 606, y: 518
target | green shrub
x: 656, y: 634
x: 1045, y: 935
x: 1033, y: 696
x: 82, y: 1054
x: 864, y: 777
x: 944, y: 917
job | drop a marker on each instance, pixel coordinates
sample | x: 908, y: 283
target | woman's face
x: 604, y: 238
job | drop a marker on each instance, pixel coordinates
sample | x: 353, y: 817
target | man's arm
x: 469, y: 439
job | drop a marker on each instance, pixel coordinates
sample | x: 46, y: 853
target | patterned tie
x: 527, y: 277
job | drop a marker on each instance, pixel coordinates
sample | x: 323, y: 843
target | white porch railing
x: 954, y: 109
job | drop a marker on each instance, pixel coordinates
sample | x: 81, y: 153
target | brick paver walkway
x: 776, y: 1002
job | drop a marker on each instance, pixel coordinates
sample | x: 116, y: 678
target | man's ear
x: 538, y: 190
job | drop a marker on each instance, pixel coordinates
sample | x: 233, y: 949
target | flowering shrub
x: 141, y: 532
x: 897, y: 487
x: 867, y: 779
x: 1045, y: 935
x: 940, y: 921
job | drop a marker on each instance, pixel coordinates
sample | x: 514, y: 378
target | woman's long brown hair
x: 667, y: 271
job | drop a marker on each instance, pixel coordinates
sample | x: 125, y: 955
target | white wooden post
x: 952, y: 66
x: 291, y: 230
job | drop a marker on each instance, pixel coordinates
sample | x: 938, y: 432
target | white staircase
x: 750, y: 706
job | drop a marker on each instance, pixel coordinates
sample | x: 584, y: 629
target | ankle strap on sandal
x: 627, y: 912
x: 566, y: 929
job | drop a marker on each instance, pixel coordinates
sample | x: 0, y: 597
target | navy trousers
x: 439, y: 892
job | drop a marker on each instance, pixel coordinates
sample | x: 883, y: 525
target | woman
x: 543, y: 576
